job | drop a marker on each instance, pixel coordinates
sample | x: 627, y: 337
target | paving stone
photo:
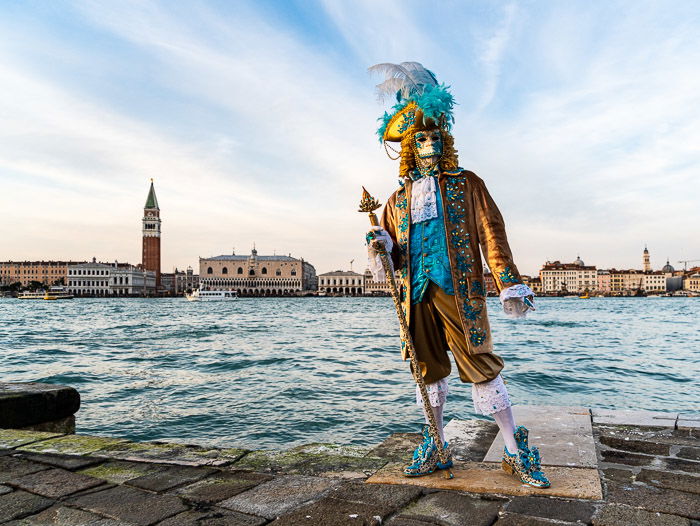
x: 481, y: 477
x: 130, y: 505
x: 689, y: 421
x: 334, y: 512
x: 663, y: 479
x: 5, y: 489
x: 635, y: 446
x: 221, y: 486
x: 469, y: 439
x: 660, y: 435
x: 72, y: 445
x: 62, y: 516
x: 170, y: 477
x: 619, y: 475
x: 621, y: 457
x: 515, y: 519
x: 400, y: 521
x: 691, y: 453
x: 677, y: 464
x: 620, y: 515
x: 11, y: 438
x: 543, y: 507
x: 272, y: 499
x: 381, y: 494
x: 55, y: 483
x: 215, y: 517
x: 19, y: 504
x: 171, y: 453
x: 11, y: 468
x: 654, y: 499
x: 398, y: 447
x: 120, y: 471
x: 314, y: 459
x: 563, y: 434
x: 70, y: 462
x: 633, y: 418
x: 453, y: 509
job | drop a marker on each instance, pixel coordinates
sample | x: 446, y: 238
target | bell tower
x: 645, y: 260
x: 150, y: 259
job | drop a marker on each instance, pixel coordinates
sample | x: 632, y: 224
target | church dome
x: 667, y: 268
x: 579, y: 262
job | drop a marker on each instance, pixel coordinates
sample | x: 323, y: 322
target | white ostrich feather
x: 406, y: 78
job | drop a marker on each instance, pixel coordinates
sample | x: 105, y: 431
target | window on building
x: 294, y: 272
x: 278, y: 272
x: 224, y: 270
x: 264, y: 270
x: 251, y: 272
x: 240, y: 270
x: 210, y: 270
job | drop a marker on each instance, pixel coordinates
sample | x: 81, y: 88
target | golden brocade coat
x: 473, y: 225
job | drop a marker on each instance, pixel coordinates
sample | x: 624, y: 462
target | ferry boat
x: 54, y: 293
x: 211, y: 295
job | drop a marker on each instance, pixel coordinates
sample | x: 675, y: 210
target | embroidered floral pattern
x: 477, y: 335
x: 478, y: 288
x: 471, y: 312
x: 507, y: 276
x: 407, y: 120
x: 463, y: 262
x: 403, y: 225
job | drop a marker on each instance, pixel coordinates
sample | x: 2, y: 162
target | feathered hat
x: 421, y: 102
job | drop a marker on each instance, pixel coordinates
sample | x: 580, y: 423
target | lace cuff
x: 374, y: 260
x: 517, y: 300
x: 490, y: 397
x: 437, y: 393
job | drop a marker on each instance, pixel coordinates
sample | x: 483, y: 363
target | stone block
x: 677, y: 464
x: 171, y: 453
x: 12, y: 468
x: 5, y: 489
x: 385, y: 495
x: 663, y: 479
x: 130, y: 505
x: 691, y: 453
x: 334, y: 512
x: 547, y: 508
x: 621, y: 457
x: 19, y: 504
x: 62, y: 516
x: 620, y: 515
x: 213, y: 517
x: 515, y: 519
x: 401, y: 521
x: 688, y: 421
x: 55, y: 483
x: 313, y: 459
x: 62, y: 425
x: 72, y: 445
x: 635, y: 446
x: 26, y: 404
x: 398, y: 447
x: 69, y: 462
x: 221, y: 486
x: 624, y: 476
x: 477, y: 477
x: 276, y: 497
x: 118, y: 471
x: 12, y: 438
x: 563, y: 434
x: 654, y: 499
x: 453, y: 509
x: 634, y: 418
x: 470, y: 439
x: 171, y: 477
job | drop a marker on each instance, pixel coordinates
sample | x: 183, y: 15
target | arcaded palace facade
x: 255, y: 275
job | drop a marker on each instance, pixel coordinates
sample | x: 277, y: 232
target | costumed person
x: 433, y: 227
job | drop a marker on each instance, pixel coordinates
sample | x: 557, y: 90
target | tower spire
x: 152, y: 200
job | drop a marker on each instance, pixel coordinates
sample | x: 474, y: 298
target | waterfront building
x: 150, y: 258
x: 109, y: 279
x: 373, y: 288
x: 490, y: 284
x: 45, y: 272
x: 576, y: 277
x: 603, y: 279
x: 534, y: 283
x: 185, y: 280
x: 342, y: 282
x: 646, y: 262
x: 692, y: 281
x: 256, y: 275
x: 654, y: 281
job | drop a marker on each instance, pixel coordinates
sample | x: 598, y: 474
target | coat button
x: 427, y: 270
x: 425, y: 254
x: 425, y: 239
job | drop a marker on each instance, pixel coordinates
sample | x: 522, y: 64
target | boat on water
x: 211, y: 295
x: 585, y: 296
x: 54, y: 293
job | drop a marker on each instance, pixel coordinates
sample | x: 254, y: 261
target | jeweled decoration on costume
x: 507, y: 276
x: 477, y: 335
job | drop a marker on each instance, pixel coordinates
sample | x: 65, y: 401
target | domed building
x: 579, y: 262
x: 667, y: 268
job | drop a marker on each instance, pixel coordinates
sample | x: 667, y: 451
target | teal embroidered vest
x: 429, y: 259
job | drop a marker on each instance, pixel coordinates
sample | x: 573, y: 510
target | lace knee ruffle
x: 437, y: 393
x: 490, y: 397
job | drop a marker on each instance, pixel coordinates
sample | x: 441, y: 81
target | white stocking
x: 437, y: 394
x: 491, y: 398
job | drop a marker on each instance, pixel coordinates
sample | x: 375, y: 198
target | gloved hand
x: 378, y: 238
x: 517, y: 300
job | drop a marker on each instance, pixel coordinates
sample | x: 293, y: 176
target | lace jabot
x: 423, y: 203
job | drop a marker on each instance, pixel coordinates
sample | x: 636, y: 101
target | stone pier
x: 608, y: 468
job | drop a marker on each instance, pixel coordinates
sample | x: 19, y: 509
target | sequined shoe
x: 426, y: 458
x: 526, y: 463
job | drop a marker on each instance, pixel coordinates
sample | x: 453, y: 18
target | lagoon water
x: 273, y: 373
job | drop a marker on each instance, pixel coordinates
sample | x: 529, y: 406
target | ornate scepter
x: 369, y: 204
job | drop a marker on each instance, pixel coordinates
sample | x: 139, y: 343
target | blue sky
x: 257, y: 120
